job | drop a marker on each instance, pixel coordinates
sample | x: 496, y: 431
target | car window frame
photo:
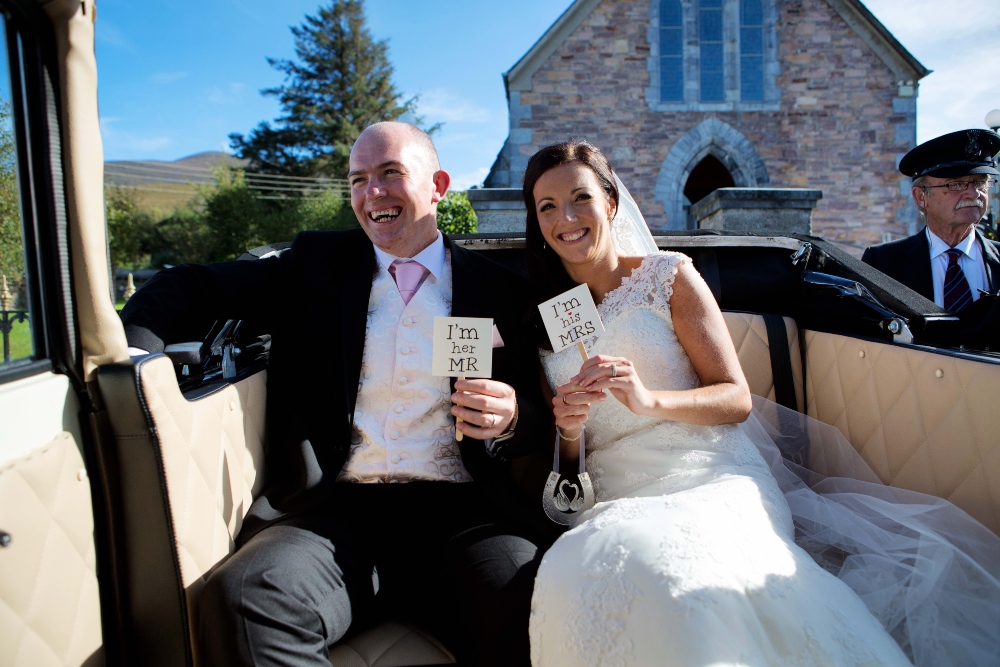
x: 33, y: 72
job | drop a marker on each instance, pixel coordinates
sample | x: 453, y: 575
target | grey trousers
x: 431, y: 553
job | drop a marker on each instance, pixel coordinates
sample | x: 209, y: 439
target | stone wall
x: 840, y: 125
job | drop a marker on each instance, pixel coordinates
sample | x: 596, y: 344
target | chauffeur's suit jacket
x: 909, y: 261
x: 313, y: 298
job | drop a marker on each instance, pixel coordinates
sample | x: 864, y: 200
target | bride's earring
x: 544, y: 246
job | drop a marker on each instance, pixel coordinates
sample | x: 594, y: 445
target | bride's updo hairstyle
x: 544, y: 266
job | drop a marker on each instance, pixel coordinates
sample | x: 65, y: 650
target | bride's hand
x: 618, y: 375
x: 571, y: 407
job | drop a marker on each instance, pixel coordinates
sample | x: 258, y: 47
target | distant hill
x: 162, y: 187
x: 195, y: 168
x: 165, y: 186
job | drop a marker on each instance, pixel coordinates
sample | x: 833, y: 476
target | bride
x: 690, y: 556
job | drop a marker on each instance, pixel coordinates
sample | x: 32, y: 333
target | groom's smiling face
x: 396, y: 185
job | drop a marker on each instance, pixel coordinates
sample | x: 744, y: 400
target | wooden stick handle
x: 583, y: 350
x: 458, y: 420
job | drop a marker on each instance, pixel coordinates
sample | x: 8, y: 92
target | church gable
x: 689, y: 95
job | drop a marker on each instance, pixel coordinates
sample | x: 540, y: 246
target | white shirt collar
x: 938, y: 246
x: 432, y: 257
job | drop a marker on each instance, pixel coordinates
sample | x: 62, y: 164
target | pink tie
x: 408, y: 275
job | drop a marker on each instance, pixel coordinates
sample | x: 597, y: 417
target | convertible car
x: 124, y: 481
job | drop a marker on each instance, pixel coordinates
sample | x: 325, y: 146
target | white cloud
x: 443, y: 106
x: 230, y: 94
x: 109, y: 34
x: 466, y: 181
x: 960, y: 44
x: 164, y: 78
x: 129, y: 145
x: 149, y: 144
x: 106, y: 123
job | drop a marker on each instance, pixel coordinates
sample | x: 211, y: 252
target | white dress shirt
x: 972, y: 262
x: 403, y: 427
x: 432, y: 257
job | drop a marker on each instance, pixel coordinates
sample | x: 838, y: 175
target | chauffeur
x: 948, y: 261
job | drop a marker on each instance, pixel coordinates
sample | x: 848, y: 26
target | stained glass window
x: 710, y: 43
x: 751, y: 51
x: 671, y: 51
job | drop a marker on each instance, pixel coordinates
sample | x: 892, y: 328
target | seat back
x: 189, y: 471
x: 750, y: 337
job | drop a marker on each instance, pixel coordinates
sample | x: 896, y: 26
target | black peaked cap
x: 956, y: 154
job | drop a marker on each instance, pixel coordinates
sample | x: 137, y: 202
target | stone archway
x: 709, y: 137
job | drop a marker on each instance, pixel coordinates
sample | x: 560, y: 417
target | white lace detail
x: 650, y: 284
x: 593, y: 630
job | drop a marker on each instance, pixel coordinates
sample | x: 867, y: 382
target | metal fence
x: 7, y: 320
x: 8, y: 316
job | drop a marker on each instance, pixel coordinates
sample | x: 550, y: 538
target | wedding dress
x: 706, y: 548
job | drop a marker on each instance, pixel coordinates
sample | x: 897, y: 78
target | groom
x: 372, y: 507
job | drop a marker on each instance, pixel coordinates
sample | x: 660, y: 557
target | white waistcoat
x: 403, y: 427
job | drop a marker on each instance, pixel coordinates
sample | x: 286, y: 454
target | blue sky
x: 177, y: 77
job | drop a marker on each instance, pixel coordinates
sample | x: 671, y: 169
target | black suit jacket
x: 314, y: 299
x: 909, y: 261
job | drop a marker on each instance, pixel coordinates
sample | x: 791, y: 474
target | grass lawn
x: 20, y: 341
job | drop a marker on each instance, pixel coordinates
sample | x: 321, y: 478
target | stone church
x: 686, y: 96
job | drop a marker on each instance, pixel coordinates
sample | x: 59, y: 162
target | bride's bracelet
x: 569, y: 439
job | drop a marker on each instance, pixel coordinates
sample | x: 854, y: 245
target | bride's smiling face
x: 574, y: 213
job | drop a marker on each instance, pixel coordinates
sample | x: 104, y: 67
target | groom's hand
x: 485, y: 407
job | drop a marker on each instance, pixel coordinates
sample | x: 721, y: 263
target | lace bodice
x: 638, y: 326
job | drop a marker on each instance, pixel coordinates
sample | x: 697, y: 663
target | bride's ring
x: 614, y: 370
x: 564, y: 400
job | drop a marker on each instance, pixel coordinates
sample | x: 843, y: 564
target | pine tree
x: 340, y: 83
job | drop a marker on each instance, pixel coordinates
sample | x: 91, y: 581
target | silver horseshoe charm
x: 566, y: 496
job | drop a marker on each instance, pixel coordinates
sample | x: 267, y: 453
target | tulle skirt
x: 925, y: 569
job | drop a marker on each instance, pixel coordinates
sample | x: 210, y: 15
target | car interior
x: 124, y: 481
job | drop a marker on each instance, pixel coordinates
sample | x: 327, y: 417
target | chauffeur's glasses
x: 982, y: 185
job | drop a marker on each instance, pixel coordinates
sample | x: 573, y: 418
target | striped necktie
x: 957, y: 295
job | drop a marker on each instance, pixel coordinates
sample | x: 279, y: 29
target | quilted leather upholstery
x: 49, y: 607
x: 390, y: 645
x: 923, y: 421
x: 212, y: 451
x: 749, y: 334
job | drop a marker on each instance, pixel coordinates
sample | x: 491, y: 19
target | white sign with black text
x: 571, y: 317
x: 463, y: 347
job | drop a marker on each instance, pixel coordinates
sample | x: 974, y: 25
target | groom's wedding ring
x: 496, y: 418
x: 564, y: 400
x: 614, y: 370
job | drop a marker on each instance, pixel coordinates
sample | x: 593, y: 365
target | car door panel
x: 923, y: 420
x: 49, y: 603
